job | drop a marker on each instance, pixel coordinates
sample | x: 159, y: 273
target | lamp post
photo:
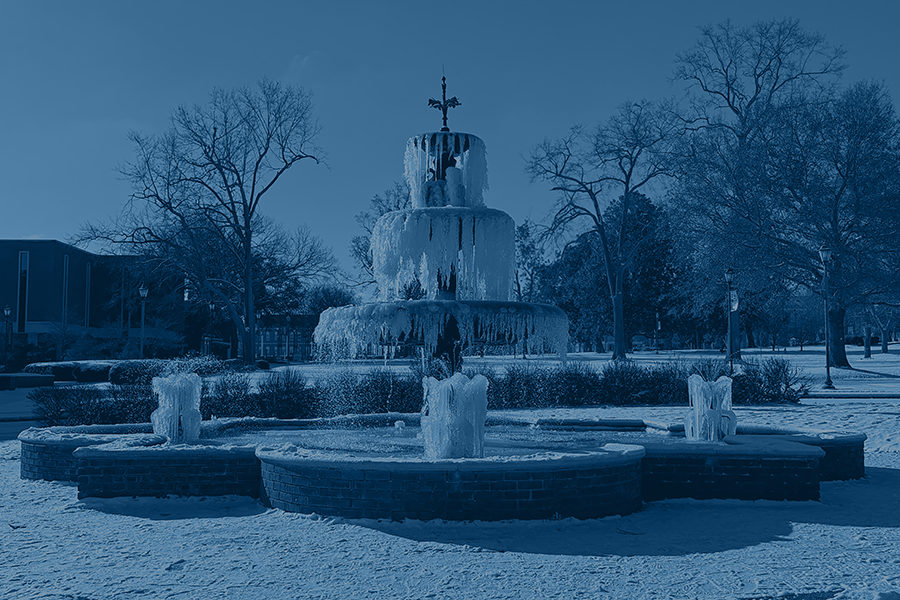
x: 6, y: 332
x: 825, y: 256
x: 288, y: 350
x: 143, y: 292
x: 656, y: 333
x: 729, y: 276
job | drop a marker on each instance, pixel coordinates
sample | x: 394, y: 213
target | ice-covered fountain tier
x: 451, y: 253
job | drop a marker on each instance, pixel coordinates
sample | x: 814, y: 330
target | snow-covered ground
x: 845, y: 546
x: 53, y: 546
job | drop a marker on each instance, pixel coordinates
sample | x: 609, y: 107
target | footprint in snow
x: 176, y: 566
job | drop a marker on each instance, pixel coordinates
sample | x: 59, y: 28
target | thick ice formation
x: 710, y: 418
x: 453, y: 417
x: 350, y: 331
x: 460, y: 254
x: 475, y: 248
x: 178, y: 416
x: 428, y: 163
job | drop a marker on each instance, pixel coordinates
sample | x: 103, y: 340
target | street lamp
x: 206, y: 344
x: 143, y: 292
x: 656, y: 333
x: 825, y: 256
x: 288, y: 350
x: 6, y: 331
x: 729, y: 277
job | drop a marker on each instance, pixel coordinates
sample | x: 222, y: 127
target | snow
x: 845, y: 546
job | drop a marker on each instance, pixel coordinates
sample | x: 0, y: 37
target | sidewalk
x: 16, y: 413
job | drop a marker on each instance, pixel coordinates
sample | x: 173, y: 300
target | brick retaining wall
x: 454, y: 491
x: 742, y: 478
x: 148, y: 472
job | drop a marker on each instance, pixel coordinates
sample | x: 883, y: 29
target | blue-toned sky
x: 78, y: 76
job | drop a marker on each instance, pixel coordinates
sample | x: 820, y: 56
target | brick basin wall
x: 755, y: 467
x: 586, y: 489
x: 47, y: 452
x: 109, y: 473
x: 48, y: 462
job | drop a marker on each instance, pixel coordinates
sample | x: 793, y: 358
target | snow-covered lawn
x: 845, y: 546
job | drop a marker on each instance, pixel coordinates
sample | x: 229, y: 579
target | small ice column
x: 453, y: 417
x: 178, y: 416
x: 456, y: 194
x: 710, y: 418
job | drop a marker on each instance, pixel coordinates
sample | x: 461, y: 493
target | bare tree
x: 198, y: 189
x: 394, y: 198
x: 591, y: 169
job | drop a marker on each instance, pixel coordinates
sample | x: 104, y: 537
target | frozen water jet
x: 710, y: 418
x: 453, y: 417
x: 178, y: 416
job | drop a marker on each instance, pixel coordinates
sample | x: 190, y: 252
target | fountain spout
x: 453, y: 417
x: 178, y: 416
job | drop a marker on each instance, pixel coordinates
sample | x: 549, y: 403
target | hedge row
x: 287, y: 394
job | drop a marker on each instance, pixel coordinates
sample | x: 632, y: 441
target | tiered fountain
x: 458, y: 255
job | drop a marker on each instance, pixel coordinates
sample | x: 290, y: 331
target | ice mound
x: 178, y: 416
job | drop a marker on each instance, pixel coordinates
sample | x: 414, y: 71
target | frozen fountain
x: 456, y: 254
x: 710, y: 418
x: 453, y: 417
x: 178, y: 416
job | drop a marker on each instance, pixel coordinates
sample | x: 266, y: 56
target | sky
x: 77, y: 77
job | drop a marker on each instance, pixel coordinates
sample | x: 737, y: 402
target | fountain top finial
x: 444, y: 105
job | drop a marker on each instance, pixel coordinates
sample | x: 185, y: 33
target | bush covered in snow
x: 229, y: 396
x: 82, y: 405
x: 284, y: 394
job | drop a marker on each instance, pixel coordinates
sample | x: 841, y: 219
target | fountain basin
x: 757, y: 463
x: 538, y: 486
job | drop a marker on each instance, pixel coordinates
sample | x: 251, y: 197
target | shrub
x: 132, y: 403
x: 284, y: 394
x: 61, y: 371
x: 773, y: 380
x: 92, y: 372
x: 623, y: 382
x: 136, y: 372
x: 80, y: 405
x: 385, y: 390
x: 573, y: 384
x: 202, y: 365
x: 229, y: 396
x: 709, y: 369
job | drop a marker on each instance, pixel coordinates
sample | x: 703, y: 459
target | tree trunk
x: 867, y: 341
x: 734, y: 343
x: 884, y: 340
x: 618, y: 327
x: 836, y: 337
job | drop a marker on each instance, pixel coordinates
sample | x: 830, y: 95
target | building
x: 57, y: 293
x: 286, y: 337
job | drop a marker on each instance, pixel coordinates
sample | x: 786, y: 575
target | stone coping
x: 608, y: 455
x: 740, y: 446
x: 92, y: 435
x: 152, y: 446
